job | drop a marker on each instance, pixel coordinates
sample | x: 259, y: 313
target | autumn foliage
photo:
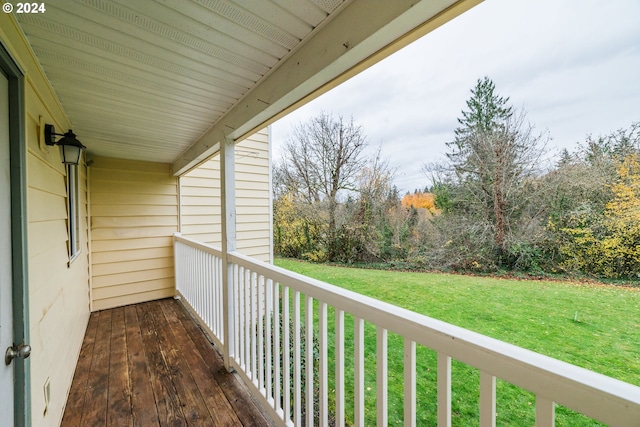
x: 607, y: 244
x: 420, y: 200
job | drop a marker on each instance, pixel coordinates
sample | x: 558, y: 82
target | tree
x: 486, y: 113
x: 593, y: 198
x: 622, y: 244
x: 297, y: 228
x: 493, y: 158
x: 323, y: 158
x: 607, y: 243
x: 420, y: 200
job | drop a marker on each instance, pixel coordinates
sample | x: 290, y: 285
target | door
x: 6, y: 312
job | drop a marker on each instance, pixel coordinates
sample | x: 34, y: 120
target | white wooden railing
x: 282, y: 303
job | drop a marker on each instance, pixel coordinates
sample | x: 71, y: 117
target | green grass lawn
x: 593, y: 326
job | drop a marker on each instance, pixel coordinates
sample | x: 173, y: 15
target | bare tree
x: 375, y: 178
x: 323, y: 158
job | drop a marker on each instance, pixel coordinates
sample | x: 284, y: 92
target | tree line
x: 496, y: 203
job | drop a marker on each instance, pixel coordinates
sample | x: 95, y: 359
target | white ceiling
x: 146, y: 80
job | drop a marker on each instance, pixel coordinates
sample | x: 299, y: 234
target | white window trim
x: 73, y: 210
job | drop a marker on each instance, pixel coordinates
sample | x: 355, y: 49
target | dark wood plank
x: 81, y: 380
x: 216, y: 402
x: 119, y: 397
x: 166, y: 396
x: 193, y: 405
x: 151, y: 365
x: 143, y: 404
x: 237, y: 394
x: 95, y: 408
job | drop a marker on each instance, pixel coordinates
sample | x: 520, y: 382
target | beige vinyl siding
x: 58, y: 290
x: 134, y: 214
x: 200, y: 199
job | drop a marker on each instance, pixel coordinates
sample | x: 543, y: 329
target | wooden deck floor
x: 150, y: 365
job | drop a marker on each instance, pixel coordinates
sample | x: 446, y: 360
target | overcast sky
x: 572, y: 65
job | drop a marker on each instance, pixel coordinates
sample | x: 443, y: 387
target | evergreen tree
x: 494, y: 152
x: 487, y: 112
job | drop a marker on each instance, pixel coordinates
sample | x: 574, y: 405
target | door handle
x: 22, y: 351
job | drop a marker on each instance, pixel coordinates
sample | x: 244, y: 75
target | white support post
x: 228, y: 212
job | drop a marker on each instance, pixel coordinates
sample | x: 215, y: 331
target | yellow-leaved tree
x: 621, y: 246
x: 420, y: 200
x: 297, y: 229
x: 608, y: 245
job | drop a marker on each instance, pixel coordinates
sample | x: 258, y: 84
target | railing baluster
x: 254, y: 323
x: 202, y: 298
x: 268, y: 345
x: 189, y: 274
x: 409, y: 383
x: 242, y: 318
x: 358, y: 372
x: 545, y: 412
x: 382, y: 365
x: 286, y: 352
x: 202, y: 288
x: 218, y: 307
x: 260, y: 332
x: 339, y: 356
x: 487, y: 400
x: 219, y: 279
x: 247, y: 322
x: 211, y: 301
x: 324, y: 371
x: 297, y: 371
x: 444, y: 390
x: 209, y: 285
x: 237, y: 304
x: 214, y: 286
x: 194, y: 278
x: 212, y: 296
x: 277, y: 351
x: 309, y: 360
x: 198, y: 284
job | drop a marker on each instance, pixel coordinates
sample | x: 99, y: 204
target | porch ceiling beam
x: 363, y: 33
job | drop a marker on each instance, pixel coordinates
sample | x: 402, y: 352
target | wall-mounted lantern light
x: 71, y: 147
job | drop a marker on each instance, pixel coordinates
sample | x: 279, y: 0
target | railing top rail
x: 606, y: 399
x: 210, y: 249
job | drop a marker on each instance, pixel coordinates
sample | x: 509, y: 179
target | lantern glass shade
x: 70, y: 147
x: 70, y: 154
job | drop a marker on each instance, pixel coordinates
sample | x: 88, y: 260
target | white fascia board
x: 361, y: 34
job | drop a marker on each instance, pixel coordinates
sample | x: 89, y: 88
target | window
x: 73, y: 202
